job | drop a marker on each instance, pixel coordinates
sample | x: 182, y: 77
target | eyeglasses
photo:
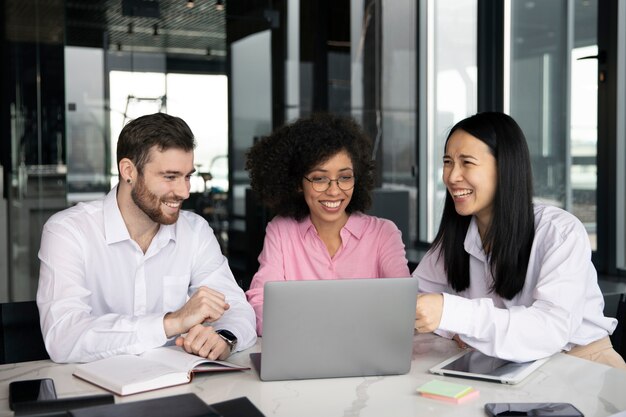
x: 320, y: 184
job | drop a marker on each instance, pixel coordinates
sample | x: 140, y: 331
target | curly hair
x: 278, y: 162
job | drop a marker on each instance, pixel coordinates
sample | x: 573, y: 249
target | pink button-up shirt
x: 370, y: 248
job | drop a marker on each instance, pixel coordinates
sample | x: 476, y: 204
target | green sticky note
x: 446, y: 389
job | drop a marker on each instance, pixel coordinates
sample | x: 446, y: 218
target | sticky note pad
x: 444, y: 389
x: 470, y: 395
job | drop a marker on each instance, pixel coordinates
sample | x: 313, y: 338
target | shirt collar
x: 305, y: 225
x: 167, y: 232
x: 355, y: 225
x: 473, y: 244
x: 115, y: 229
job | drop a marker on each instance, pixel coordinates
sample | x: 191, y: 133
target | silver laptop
x: 337, y: 328
x: 476, y: 365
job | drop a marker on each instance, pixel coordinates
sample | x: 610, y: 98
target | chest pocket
x: 175, y: 289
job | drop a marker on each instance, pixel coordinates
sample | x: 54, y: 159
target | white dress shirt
x: 99, y: 295
x: 560, y: 305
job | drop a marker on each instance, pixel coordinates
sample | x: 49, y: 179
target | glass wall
x: 398, y: 109
x: 33, y: 132
x: 553, y: 95
x: 251, y: 99
x: 137, y: 84
x: 200, y: 99
x: 88, y: 144
x: 57, y: 96
x: 539, y: 90
x: 448, y: 88
x: 621, y: 142
x: 250, y: 118
x: 550, y: 89
x: 584, y: 137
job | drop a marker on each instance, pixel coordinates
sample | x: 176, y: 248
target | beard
x: 150, y: 203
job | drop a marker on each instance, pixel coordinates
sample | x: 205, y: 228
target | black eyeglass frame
x: 330, y: 180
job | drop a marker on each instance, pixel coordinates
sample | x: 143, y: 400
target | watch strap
x: 228, y: 337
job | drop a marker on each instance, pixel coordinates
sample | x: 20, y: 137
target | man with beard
x: 132, y: 272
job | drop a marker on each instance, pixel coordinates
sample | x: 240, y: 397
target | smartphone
x: 31, y: 390
x: 532, y: 409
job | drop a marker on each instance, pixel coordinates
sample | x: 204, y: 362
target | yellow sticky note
x: 445, y: 389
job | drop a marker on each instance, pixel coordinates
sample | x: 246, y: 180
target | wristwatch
x: 228, y: 337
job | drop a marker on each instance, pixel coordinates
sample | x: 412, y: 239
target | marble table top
x: 597, y: 390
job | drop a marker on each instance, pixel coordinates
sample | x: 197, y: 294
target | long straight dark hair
x: 510, y: 235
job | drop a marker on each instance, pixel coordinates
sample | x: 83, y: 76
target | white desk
x: 595, y: 389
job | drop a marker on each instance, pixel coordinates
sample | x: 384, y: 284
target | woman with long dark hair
x: 509, y: 277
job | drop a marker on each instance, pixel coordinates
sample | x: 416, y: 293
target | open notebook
x: 337, y: 328
x: 157, y: 368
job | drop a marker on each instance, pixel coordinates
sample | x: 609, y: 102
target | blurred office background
x: 75, y: 71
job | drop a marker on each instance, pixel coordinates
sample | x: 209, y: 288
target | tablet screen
x: 475, y: 362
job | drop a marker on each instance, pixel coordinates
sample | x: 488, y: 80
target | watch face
x: 228, y: 336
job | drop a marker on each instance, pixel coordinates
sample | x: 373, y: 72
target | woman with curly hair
x: 316, y: 175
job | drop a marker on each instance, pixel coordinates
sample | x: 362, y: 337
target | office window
x: 87, y: 140
x: 398, y: 101
x: 620, y: 252
x: 584, y: 137
x: 448, y: 94
x: 200, y: 99
x: 552, y: 93
x: 251, y: 102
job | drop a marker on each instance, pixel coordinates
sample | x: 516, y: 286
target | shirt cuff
x: 150, y: 331
x: 457, y: 316
x: 443, y: 333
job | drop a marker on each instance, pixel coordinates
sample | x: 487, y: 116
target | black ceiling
x: 129, y: 25
x: 201, y: 30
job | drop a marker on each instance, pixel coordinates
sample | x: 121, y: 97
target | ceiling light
x: 219, y: 5
x: 190, y: 4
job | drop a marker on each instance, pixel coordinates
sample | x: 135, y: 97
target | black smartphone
x: 31, y: 390
x: 532, y: 409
